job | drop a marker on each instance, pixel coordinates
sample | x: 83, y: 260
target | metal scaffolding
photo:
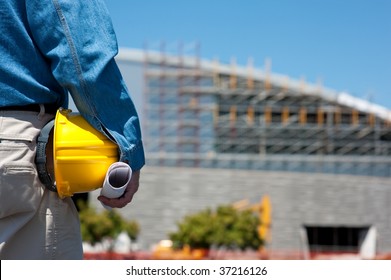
x: 206, y: 114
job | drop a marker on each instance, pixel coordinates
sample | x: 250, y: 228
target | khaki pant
x: 34, y: 222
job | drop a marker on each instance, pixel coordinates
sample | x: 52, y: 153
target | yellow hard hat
x: 81, y: 154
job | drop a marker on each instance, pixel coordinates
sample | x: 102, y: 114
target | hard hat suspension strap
x: 40, y: 158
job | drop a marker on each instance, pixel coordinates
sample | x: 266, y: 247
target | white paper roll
x: 117, y: 178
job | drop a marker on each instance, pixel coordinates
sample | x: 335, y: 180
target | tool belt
x: 41, y: 157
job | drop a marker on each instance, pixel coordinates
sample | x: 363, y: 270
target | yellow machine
x: 264, y: 211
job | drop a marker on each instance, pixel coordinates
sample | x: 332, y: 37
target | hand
x: 127, y: 197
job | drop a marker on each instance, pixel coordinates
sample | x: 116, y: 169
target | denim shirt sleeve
x: 78, y: 39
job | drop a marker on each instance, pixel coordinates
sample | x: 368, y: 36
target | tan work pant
x: 34, y: 222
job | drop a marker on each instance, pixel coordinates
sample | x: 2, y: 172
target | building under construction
x: 328, y: 150
x: 198, y: 113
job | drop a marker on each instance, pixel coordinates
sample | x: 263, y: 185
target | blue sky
x: 346, y: 44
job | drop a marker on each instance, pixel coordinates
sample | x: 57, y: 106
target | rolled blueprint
x: 117, y: 178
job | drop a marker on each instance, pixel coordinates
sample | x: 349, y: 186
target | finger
x: 112, y: 202
x: 120, y: 202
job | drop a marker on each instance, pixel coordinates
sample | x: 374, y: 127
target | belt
x: 49, y: 108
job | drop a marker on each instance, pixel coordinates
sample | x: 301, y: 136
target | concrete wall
x: 167, y: 194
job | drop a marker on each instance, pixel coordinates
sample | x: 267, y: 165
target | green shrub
x: 106, y: 224
x: 226, y: 227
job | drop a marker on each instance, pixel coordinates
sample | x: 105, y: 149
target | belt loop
x: 41, y: 111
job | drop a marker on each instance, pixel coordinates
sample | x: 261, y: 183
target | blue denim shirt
x: 51, y: 47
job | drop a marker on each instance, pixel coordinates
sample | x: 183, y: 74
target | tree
x: 226, y: 227
x: 106, y: 224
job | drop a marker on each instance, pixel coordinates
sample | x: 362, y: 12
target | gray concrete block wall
x: 167, y: 194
